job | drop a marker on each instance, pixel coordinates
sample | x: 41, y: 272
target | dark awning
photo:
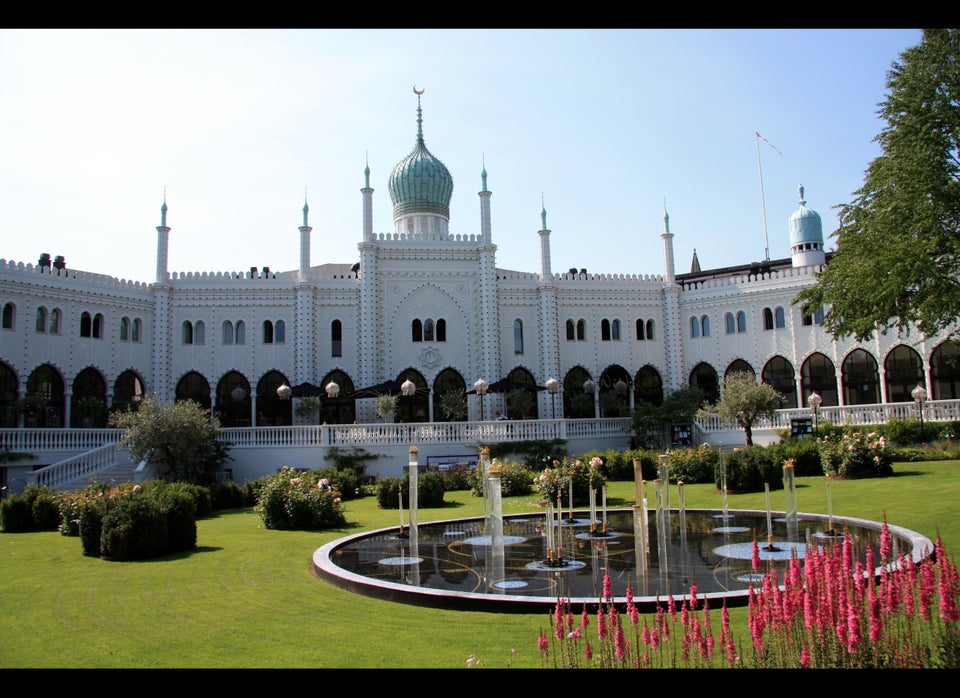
x: 505, y: 385
x: 385, y: 388
x: 307, y: 390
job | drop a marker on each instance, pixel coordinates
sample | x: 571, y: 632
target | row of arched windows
x: 234, y: 332
x: 610, y: 330
x: 429, y: 330
x: 736, y: 323
x: 91, y: 325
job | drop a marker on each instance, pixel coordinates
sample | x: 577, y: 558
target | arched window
x: 740, y: 366
x: 779, y: 318
x: 227, y: 332
x: 818, y: 375
x: 9, y: 315
x: 705, y: 326
x: 187, y: 331
x: 86, y: 325
x: 41, y: 326
x: 640, y: 333
x: 336, y: 337
x: 581, y: 329
x: 648, y: 386
x: 615, y: 330
x: 704, y: 378
x: 199, y: 332
x: 135, y: 333
x: 280, y: 332
x: 239, y: 335
x: 98, y: 326
x: 605, y: 330
x: 650, y: 329
x: 767, y: 319
x: 428, y: 330
x: 55, y: 316
x: 417, y: 330
x: 779, y: 375
x: 815, y: 319
x: 124, y: 329
x: 730, y: 323
x: 267, y: 332
x: 517, y: 336
x: 694, y: 327
x: 570, y: 333
x: 441, y: 330
x: 945, y: 371
x: 741, y: 321
x: 861, y: 379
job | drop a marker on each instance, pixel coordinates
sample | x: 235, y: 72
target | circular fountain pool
x: 458, y: 564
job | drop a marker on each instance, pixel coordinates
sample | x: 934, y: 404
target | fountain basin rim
x: 327, y: 570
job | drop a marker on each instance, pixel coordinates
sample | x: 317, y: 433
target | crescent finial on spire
x: 416, y: 91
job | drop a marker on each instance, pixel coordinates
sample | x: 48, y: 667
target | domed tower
x: 420, y: 189
x: 806, y: 235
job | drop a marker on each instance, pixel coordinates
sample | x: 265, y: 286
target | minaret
x: 667, y: 237
x: 163, y: 242
x: 806, y: 235
x: 304, y: 242
x: 544, y: 233
x: 484, y: 195
x: 367, y: 204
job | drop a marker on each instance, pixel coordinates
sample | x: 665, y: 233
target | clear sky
x: 602, y: 127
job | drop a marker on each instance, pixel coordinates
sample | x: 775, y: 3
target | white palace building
x: 425, y: 313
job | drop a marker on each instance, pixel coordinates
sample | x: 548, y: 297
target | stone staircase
x: 115, y: 474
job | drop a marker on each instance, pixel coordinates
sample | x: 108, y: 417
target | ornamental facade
x: 427, y: 313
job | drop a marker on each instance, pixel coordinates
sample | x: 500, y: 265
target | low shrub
x: 294, y: 500
x: 35, y: 509
x: 805, y: 454
x: 856, y: 455
x: 570, y: 479
x: 749, y: 469
x: 230, y: 495
x: 693, y: 465
x: 430, y: 491
x: 516, y: 479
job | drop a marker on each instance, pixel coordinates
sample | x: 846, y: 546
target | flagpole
x: 763, y: 205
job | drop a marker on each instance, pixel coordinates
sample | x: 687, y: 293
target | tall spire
x: 306, y: 208
x: 543, y: 213
x: 419, y: 115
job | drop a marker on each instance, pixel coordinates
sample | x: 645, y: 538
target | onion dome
x: 420, y: 183
x: 805, y: 225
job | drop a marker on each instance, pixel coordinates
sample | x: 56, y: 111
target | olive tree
x: 745, y: 401
x: 181, y: 438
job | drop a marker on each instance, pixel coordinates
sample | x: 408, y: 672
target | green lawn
x: 246, y: 597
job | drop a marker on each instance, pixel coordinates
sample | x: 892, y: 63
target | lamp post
x: 553, y: 387
x: 815, y: 401
x: 332, y: 389
x: 481, y: 386
x: 920, y: 396
x: 284, y: 392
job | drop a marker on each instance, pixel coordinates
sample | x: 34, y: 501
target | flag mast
x: 763, y: 205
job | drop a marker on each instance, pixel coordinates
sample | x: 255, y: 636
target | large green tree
x: 897, y: 258
x: 181, y: 436
x: 743, y: 400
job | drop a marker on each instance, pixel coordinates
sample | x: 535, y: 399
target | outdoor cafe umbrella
x: 390, y: 387
x: 307, y: 389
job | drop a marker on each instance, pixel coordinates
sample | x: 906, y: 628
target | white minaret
x: 163, y: 242
x: 484, y: 195
x: 304, y: 243
x: 667, y: 237
x: 367, y: 204
x: 544, y: 234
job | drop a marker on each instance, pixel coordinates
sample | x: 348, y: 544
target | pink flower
x: 543, y: 644
x: 336, y: 500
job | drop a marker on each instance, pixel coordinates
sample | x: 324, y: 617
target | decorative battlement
x: 629, y: 278
x: 425, y: 237
x: 746, y: 279
x: 84, y: 277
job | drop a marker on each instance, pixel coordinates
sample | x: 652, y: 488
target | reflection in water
x: 460, y: 564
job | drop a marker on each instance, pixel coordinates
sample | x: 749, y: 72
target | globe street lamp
x: 590, y: 388
x: 553, y: 387
x: 815, y: 401
x: 920, y: 396
x: 481, y: 386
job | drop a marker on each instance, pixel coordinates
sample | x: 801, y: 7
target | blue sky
x: 602, y: 127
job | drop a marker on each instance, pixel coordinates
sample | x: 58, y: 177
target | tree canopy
x: 897, y: 252
x: 179, y: 435
x: 743, y: 400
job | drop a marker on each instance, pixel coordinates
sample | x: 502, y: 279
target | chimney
x: 59, y: 262
x: 44, y: 260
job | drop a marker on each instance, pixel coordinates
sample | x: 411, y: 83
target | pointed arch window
x: 604, y: 330
x: 694, y: 328
x: 336, y: 338
x: 730, y: 323
x: 428, y: 330
x: 55, y: 316
x: 570, y: 331
x: 741, y: 321
x: 186, y: 331
x: 239, y: 335
x: 9, y: 316
x: 86, y: 325
x: 650, y: 329
x: 41, y: 326
x: 124, y: 329
x: 199, y: 332
x: 767, y: 319
x: 280, y: 332
x: 518, y: 336
x: 267, y: 332
x: 779, y: 318
x: 441, y: 330
x: 135, y: 332
x: 615, y: 330
x: 640, y: 331
x: 417, y: 331
x: 227, y: 332
x: 705, y: 326
x: 581, y: 329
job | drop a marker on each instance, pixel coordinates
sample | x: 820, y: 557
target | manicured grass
x: 246, y: 597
